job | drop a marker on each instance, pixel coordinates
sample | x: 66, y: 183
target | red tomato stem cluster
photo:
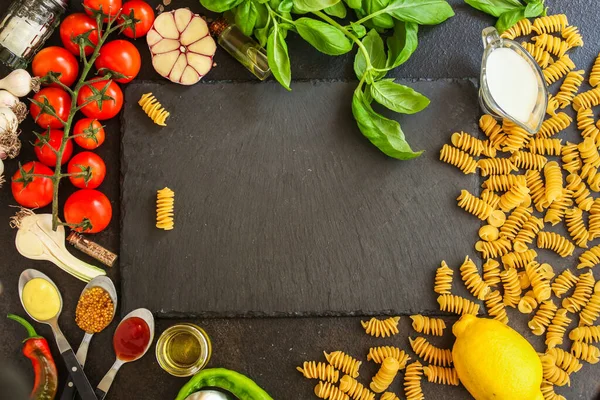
x: 54, y: 108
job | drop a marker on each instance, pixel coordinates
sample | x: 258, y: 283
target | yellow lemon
x: 493, y: 361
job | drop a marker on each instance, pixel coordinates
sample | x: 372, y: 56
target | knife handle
x: 79, y: 378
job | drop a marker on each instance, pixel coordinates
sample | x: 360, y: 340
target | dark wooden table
x: 267, y: 349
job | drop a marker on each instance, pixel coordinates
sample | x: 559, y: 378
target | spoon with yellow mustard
x: 42, y: 301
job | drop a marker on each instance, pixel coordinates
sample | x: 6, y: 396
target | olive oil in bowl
x: 183, y: 349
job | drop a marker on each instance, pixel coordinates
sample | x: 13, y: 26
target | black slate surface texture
x: 267, y: 349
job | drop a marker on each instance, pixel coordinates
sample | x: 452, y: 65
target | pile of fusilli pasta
x: 524, y: 192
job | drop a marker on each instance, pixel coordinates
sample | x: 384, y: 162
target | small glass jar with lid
x: 25, y: 27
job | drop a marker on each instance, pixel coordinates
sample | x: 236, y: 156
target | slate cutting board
x: 283, y: 207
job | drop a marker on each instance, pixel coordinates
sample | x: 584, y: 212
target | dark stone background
x: 265, y: 349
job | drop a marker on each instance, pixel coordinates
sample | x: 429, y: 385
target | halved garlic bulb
x: 181, y: 47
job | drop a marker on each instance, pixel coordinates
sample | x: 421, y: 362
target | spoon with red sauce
x: 131, y: 341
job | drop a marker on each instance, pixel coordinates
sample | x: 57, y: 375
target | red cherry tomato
x: 73, y: 26
x: 88, y: 204
x: 120, y: 56
x: 110, y: 108
x: 143, y: 12
x: 45, y: 152
x: 87, y: 161
x: 35, y: 192
x: 59, y: 100
x: 108, y: 7
x: 59, y: 60
x: 92, y: 131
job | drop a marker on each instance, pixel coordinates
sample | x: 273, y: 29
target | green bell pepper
x: 239, y: 385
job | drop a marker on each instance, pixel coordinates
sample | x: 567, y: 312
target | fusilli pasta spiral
x: 492, y: 130
x: 527, y: 303
x: 576, y: 227
x: 586, y: 123
x: 591, y: 312
x: 473, y: 281
x: 489, y: 233
x: 565, y: 361
x: 389, y: 396
x: 572, y: 36
x: 494, y: 249
x: 587, y: 334
x: 524, y: 280
x: 165, y: 200
x: 542, y: 318
x: 457, y: 305
x: 319, y: 370
x: 557, y: 328
x: 545, y: 146
x: 558, y: 69
x: 553, y: 104
x: 557, y: 209
x: 441, y: 375
x: 550, y: 23
x: 582, y: 293
x: 412, y: 382
x: 581, y: 194
x: 589, y: 152
x: 588, y: 99
x: 591, y: 175
x: 495, y: 307
x: 514, y: 197
x: 518, y: 260
x: 496, y: 166
x: 554, y: 183
x: 571, y: 158
x: 516, y: 137
x: 551, y: 44
x: 501, y: 183
x: 595, y: 73
x: 564, y: 282
x: 540, y: 55
x: 594, y: 224
x: 586, y: 352
x: 154, y: 109
x: 327, y: 391
x: 548, y: 392
x: 527, y: 233
x: 496, y: 218
x: 474, y: 205
x: 552, y: 373
x: 491, y: 272
x: 522, y: 28
x: 512, y: 287
x: 458, y: 158
x: 569, y: 88
x: 381, y: 328
x: 428, y: 325
x: 443, y: 279
x: 555, y: 242
x: 537, y: 189
x: 491, y: 198
x: 385, y: 376
x: 526, y: 160
x: 539, y: 284
x: 553, y: 125
x: 470, y: 144
x: 430, y: 353
x: 343, y: 362
x: 378, y: 354
x: 354, y: 389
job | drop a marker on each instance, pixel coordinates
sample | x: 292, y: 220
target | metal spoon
x: 208, y: 394
x: 108, y: 285
x: 108, y: 379
x: 81, y: 381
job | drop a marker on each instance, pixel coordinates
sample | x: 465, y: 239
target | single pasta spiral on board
x: 430, y: 353
x: 552, y: 373
x: 569, y: 88
x: 354, y: 389
x: 586, y: 123
x: 493, y: 249
x: 576, y: 227
x: 589, y: 258
x: 165, y: 200
x: 557, y: 209
x: 589, y: 152
x: 457, y: 305
x: 581, y: 194
x: 595, y: 73
x: 519, y: 260
x: 495, y: 306
x: 321, y: 371
x: 564, y: 282
x: 557, y: 328
x: 496, y: 166
x: 548, y: 392
x: 389, y: 396
x: 551, y: 44
x: 492, y: 130
x: 501, y: 183
x: 443, y: 279
x: 514, y: 222
x: 491, y: 273
x: 379, y: 328
x: 527, y: 160
x: 554, y: 124
x: 521, y: 28
x: 514, y: 197
x: 588, y: 99
x: 442, y: 375
x: 378, y: 354
x: 325, y: 390
x: 473, y: 281
x: 527, y: 234
x: 512, y: 287
x: 565, y: 361
x: 474, y: 205
x: 385, y: 376
x: 412, y: 382
x: 542, y: 318
x: 583, y: 291
x: 555, y: 242
x: 458, y: 158
x: 154, y: 109
x: 545, y: 146
x: 539, y: 284
x: 572, y: 36
x: 343, y: 362
x: 550, y: 23
x: 428, y: 325
x: 468, y: 143
x: 594, y: 223
x: 558, y: 69
x: 527, y: 303
x: 539, y: 54
x: 587, y: 334
x: 586, y: 352
x: 516, y: 137
x: 554, y: 182
x: 591, y: 311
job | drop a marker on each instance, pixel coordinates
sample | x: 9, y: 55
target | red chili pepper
x: 36, y: 348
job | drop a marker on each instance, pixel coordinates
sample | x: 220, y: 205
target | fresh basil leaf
x: 494, y: 7
x: 285, y: 6
x: 324, y: 37
x: 422, y: 12
x: 262, y: 34
x: 509, y: 18
x: 358, y: 29
x: 313, y: 5
x: 262, y: 15
x: 385, y: 134
x: 534, y: 9
x: 354, y: 4
x: 278, y: 57
x: 245, y: 17
x: 338, y: 10
x: 284, y: 28
x: 220, y: 5
x: 397, y: 97
x: 384, y: 21
x: 402, y: 44
x: 374, y: 45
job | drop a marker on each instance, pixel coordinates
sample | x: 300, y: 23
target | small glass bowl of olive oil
x: 183, y: 349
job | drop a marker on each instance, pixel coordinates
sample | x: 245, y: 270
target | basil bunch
x: 509, y: 12
x: 396, y: 20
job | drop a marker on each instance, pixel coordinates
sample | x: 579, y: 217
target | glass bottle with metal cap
x: 512, y: 85
x: 25, y: 27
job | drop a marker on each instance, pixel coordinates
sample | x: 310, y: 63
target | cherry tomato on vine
x: 45, y: 152
x: 143, y: 12
x: 108, y: 7
x: 88, y: 204
x: 120, y: 56
x: 59, y: 60
x: 34, y: 192
x: 83, y: 162
x: 73, y: 26
x: 110, y: 108
x: 59, y: 100
x: 92, y: 131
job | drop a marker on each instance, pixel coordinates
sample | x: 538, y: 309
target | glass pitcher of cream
x: 512, y: 85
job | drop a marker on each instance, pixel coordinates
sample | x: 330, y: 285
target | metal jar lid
x: 62, y: 3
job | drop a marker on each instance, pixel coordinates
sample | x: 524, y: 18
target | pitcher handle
x: 489, y: 36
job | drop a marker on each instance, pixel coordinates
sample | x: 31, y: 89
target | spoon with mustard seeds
x: 95, y: 311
